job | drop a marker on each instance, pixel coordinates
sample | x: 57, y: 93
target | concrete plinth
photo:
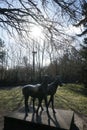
x: 61, y: 120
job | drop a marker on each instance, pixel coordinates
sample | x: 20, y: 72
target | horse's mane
x: 53, y: 83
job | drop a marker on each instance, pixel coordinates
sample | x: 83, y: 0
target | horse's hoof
x: 25, y: 116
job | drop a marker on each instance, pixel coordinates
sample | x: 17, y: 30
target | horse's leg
x: 42, y: 107
x: 46, y: 105
x: 39, y: 105
x: 50, y: 100
x: 31, y: 101
x: 52, y: 97
x: 34, y: 105
x: 26, y: 105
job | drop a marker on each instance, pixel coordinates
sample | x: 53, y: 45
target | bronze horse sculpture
x: 41, y: 91
x: 35, y: 91
x: 51, y: 90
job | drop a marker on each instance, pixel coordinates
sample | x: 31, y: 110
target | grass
x: 10, y: 98
x: 69, y: 96
x: 72, y: 97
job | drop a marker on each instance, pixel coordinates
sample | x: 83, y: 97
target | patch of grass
x: 10, y: 99
x: 73, y: 97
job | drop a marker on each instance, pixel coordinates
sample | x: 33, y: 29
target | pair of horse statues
x: 41, y: 92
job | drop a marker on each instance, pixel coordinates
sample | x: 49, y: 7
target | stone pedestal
x: 61, y: 120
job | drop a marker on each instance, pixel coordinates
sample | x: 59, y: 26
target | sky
x: 17, y: 47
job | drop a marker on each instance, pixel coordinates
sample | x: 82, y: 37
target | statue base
x: 61, y: 120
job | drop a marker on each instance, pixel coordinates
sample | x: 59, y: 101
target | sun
x: 36, y: 32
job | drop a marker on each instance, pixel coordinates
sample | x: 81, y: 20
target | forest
x: 69, y: 67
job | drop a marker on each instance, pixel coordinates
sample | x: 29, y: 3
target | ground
x: 69, y: 97
x: 80, y: 121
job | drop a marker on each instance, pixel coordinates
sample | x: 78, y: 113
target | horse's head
x: 58, y: 80
x: 45, y: 79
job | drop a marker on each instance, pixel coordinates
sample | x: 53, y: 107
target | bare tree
x: 2, y: 59
x: 15, y: 13
x: 20, y: 14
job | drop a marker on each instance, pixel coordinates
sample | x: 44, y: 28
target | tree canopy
x: 15, y: 13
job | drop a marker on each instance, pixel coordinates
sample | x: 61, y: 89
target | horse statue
x: 41, y: 91
x: 51, y: 90
x: 35, y: 91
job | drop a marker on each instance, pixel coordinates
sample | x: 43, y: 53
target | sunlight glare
x: 36, y: 32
